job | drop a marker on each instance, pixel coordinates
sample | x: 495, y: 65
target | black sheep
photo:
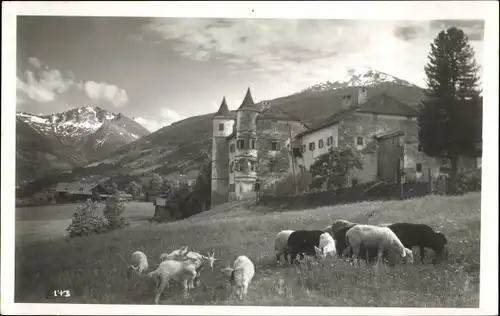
x: 303, y: 242
x: 423, y: 236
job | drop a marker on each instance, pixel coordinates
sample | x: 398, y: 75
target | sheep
x: 303, y: 242
x: 199, y: 261
x: 240, y: 275
x: 383, y: 238
x: 423, y: 236
x: 370, y: 253
x: 339, y: 224
x: 181, y: 271
x: 281, y: 246
x: 326, y: 246
x: 139, y: 262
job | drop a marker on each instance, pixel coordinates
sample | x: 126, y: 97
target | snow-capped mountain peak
x: 355, y: 77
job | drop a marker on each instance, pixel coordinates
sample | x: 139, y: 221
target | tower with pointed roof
x: 245, y: 157
x: 222, y: 127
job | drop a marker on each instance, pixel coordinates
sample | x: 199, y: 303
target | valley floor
x: 94, y: 268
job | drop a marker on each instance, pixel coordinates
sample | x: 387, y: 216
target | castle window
x: 311, y: 146
x: 329, y: 141
x: 253, y: 166
x: 354, y: 182
x: 240, y: 144
x: 253, y: 143
x: 221, y: 126
x: 272, y: 167
x: 419, y: 167
x: 231, y: 148
x: 320, y: 143
x: 275, y: 146
x: 303, y: 148
x: 231, y: 187
x: 256, y: 186
x: 231, y: 167
x: 359, y: 141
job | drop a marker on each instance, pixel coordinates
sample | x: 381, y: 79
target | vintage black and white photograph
x: 255, y: 161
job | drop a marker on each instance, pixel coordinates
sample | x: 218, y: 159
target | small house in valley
x: 80, y: 191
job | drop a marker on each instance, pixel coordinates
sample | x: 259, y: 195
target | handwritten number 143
x: 63, y: 293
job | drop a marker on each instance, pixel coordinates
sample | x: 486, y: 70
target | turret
x: 222, y: 127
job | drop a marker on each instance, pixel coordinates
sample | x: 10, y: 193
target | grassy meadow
x: 94, y: 268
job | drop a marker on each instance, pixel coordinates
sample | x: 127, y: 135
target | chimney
x: 346, y: 101
x: 362, y: 95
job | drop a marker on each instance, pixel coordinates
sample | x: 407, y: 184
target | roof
x: 76, y: 187
x: 277, y: 113
x: 223, y: 110
x: 390, y: 134
x: 247, y: 103
x: 378, y: 104
x: 385, y: 104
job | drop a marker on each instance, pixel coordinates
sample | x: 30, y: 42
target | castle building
x: 260, y: 144
x: 250, y: 149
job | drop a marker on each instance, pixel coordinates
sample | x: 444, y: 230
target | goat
x: 181, y: 271
x: 198, y: 260
x: 240, y: 275
x: 139, y: 262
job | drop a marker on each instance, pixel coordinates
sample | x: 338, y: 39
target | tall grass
x: 94, y: 267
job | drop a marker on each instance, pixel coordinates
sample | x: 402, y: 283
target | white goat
x: 326, y: 246
x: 281, y: 244
x: 240, y: 274
x: 383, y: 238
x: 139, y: 262
x: 180, y: 271
x: 198, y: 260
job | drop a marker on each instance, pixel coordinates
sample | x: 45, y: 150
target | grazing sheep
x: 383, y: 238
x: 303, y: 242
x: 326, y: 246
x: 369, y: 253
x: 181, y: 271
x: 339, y: 224
x: 240, y: 275
x: 139, y: 262
x: 281, y: 244
x: 423, y: 236
x: 198, y: 260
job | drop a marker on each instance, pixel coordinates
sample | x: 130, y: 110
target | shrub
x: 113, y: 213
x: 85, y: 222
x: 469, y: 181
x: 285, y: 186
x: 332, y: 168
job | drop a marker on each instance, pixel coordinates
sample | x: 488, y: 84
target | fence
x: 358, y: 193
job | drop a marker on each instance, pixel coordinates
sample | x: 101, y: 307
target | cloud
x: 302, y: 52
x: 103, y: 91
x: 168, y: 117
x: 42, y: 84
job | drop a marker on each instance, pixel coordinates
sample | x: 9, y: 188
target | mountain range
x: 48, y: 144
x: 186, y: 144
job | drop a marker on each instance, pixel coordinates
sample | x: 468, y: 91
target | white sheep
x: 183, y: 272
x: 139, y: 262
x: 326, y: 246
x: 382, y: 238
x: 281, y: 244
x: 240, y: 275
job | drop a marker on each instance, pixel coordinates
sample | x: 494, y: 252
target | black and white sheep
x: 303, y: 242
x: 423, y: 236
x: 281, y: 244
x: 382, y: 238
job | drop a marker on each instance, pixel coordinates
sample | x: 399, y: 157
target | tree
x: 134, y: 189
x: 449, y: 124
x: 333, y: 168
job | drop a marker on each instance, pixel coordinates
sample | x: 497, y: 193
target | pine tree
x: 448, y: 122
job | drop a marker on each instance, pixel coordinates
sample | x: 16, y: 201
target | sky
x: 161, y: 70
